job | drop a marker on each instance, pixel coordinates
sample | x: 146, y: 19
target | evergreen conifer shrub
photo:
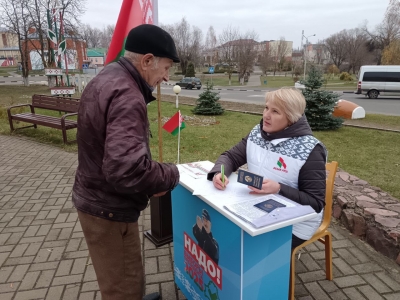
x: 207, y: 103
x: 320, y: 103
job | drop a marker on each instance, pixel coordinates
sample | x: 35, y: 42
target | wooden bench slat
x: 50, y: 121
x: 70, y: 105
x: 56, y: 106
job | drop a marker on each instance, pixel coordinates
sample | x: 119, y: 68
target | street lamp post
x: 177, y: 90
x: 304, y: 51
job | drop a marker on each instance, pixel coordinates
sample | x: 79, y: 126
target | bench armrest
x: 20, y: 105
x: 68, y: 115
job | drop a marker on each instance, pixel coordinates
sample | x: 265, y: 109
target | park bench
x: 56, y: 103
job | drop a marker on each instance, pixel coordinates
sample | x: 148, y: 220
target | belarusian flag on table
x: 175, y: 124
x: 133, y: 13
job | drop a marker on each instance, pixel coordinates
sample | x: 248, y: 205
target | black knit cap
x: 152, y: 39
x: 206, y: 215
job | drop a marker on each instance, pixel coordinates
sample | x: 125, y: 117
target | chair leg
x: 328, y: 256
x: 292, y: 276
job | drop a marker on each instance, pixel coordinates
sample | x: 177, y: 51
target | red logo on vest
x: 281, y: 163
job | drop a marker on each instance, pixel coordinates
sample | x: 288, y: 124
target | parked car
x: 190, y: 83
x: 299, y: 85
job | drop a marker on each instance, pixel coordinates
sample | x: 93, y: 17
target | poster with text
x: 206, y: 249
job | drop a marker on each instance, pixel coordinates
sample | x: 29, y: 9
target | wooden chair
x: 322, y: 234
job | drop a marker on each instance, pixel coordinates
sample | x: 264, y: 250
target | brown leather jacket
x: 116, y: 174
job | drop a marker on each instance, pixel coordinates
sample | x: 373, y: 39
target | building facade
x: 96, y: 57
x: 75, y: 54
x: 9, y: 50
x: 317, y: 54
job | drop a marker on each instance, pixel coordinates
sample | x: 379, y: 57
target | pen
x: 222, y: 175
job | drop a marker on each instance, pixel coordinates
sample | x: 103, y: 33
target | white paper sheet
x: 233, y: 190
x: 193, y: 170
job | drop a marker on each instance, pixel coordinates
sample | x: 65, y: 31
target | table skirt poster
x: 206, y: 250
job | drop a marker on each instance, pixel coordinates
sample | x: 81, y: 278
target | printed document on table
x: 233, y: 190
x: 195, y: 170
x: 248, y: 212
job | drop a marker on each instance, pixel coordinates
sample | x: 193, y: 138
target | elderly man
x: 116, y: 174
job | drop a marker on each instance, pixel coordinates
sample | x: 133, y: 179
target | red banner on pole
x: 133, y: 13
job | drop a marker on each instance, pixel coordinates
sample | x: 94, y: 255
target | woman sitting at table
x: 283, y: 150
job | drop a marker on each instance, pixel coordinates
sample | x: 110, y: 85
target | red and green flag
x: 175, y: 124
x: 281, y: 163
x: 133, y: 13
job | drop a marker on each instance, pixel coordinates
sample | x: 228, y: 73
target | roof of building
x: 95, y: 52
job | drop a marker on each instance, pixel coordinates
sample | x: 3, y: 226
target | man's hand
x: 268, y: 187
x: 160, y: 194
x: 199, y: 222
x: 217, y: 181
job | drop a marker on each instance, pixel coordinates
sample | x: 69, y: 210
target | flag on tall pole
x: 133, y: 13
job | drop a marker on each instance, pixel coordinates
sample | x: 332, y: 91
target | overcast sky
x: 271, y: 19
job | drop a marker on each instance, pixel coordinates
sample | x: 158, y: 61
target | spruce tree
x: 190, y: 70
x: 207, y: 103
x: 320, y: 103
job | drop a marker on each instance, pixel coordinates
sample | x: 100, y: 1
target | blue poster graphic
x: 206, y: 249
x: 215, y: 260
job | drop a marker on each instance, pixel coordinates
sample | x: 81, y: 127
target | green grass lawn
x: 4, y: 70
x: 377, y: 121
x: 371, y: 155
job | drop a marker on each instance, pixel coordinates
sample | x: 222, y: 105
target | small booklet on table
x: 267, y: 210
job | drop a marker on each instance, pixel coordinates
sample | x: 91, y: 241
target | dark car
x: 190, y: 83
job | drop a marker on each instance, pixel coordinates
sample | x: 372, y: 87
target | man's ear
x: 147, y: 61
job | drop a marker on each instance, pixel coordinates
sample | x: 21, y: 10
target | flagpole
x: 179, y: 134
x: 160, y: 150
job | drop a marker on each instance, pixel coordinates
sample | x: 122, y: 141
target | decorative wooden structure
x: 348, y: 110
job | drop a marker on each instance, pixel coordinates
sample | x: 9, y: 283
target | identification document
x: 267, y: 210
x: 250, y: 179
x: 269, y: 205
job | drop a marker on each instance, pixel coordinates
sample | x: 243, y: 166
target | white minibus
x: 379, y: 80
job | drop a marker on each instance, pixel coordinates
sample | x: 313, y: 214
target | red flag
x: 133, y: 13
x: 175, y: 124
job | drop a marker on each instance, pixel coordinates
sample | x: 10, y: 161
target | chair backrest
x: 56, y: 103
x: 331, y: 168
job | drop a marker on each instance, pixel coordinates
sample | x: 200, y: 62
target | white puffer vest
x: 281, y: 160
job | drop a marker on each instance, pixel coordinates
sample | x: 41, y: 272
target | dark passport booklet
x: 269, y: 205
x: 249, y: 178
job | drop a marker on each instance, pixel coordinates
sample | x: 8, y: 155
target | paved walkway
x: 43, y: 254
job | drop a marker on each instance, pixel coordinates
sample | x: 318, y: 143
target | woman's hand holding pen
x: 217, y: 181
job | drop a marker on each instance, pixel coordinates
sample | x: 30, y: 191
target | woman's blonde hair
x: 291, y: 101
